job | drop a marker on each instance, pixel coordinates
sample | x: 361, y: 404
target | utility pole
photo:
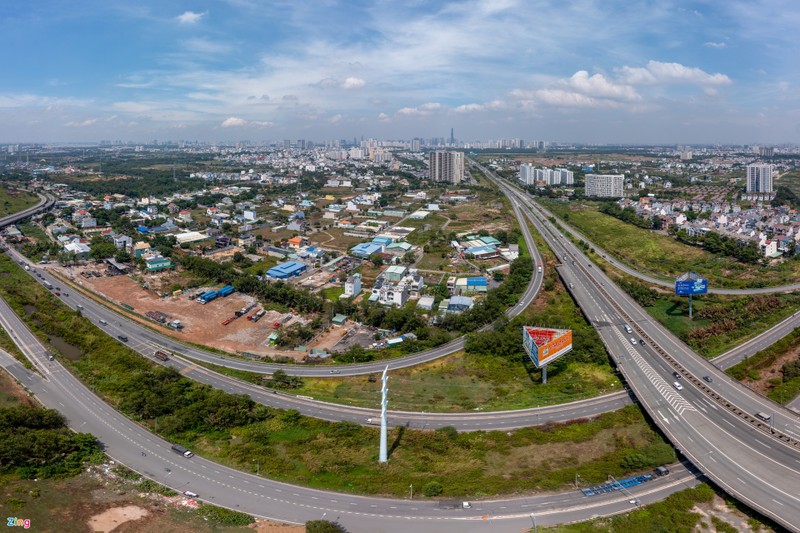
x: 383, y: 453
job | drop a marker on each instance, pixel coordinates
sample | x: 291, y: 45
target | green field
x: 465, y: 382
x: 15, y: 201
x: 663, y: 256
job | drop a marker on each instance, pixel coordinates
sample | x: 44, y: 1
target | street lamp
x: 577, y: 477
x: 411, y: 489
x: 533, y: 519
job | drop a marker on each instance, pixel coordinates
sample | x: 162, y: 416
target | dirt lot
x: 202, y: 323
x: 98, y: 500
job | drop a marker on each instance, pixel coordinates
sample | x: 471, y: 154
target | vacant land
x: 13, y: 201
x: 661, y: 255
x: 464, y: 382
x: 202, y: 323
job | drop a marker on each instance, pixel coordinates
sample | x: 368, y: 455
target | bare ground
x: 202, y: 323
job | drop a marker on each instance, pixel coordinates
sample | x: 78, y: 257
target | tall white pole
x: 383, y: 454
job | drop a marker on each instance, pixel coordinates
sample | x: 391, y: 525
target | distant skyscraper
x: 766, y: 151
x: 606, y: 185
x: 447, y: 166
x: 759, y: 177
x: 452, y: 137
x: 415, y: 145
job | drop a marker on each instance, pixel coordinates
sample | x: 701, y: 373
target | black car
x: 123, y: 338
x: 708, y: 378
x: 677, y: 375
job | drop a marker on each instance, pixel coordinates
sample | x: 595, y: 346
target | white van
x: 103, y: 322
x: 190, y: 494
x: 628, y: 329
x: 766, y: 417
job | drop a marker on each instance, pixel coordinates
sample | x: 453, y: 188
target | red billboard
x: 545, y: 345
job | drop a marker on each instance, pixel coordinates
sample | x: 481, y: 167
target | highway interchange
x: 721, y: 443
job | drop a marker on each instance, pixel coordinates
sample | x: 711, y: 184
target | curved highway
x: 747, y: 444
x: 132, y: 445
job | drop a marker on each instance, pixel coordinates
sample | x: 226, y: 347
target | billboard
x: 545, y: 345
x: 689, y: 284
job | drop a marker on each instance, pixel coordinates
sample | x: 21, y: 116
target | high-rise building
x: 447, y: 166
x: 766, y: 151
x: 452, y: 137
x: 415, y: 145
x: 605, y: 185
x: 759, y: 177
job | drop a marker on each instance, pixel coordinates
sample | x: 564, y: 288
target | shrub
x: 432, y: 488
x: 224, y: 516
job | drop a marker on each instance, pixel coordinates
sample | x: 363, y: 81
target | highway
x: 132, y: 445
x: 713, y: 423
x: 146, y: 341
x: 710, y: 423
x: 46, y: 201
x: 661, y: 281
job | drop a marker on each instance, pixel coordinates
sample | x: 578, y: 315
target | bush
x: 224, y: 516
x: 432, y: 488
x: 324, y: 526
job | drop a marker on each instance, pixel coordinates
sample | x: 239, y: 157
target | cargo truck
x: 207, y: 297
x: 177, y: 448
x: 226, y: 291
x: 162, y: 355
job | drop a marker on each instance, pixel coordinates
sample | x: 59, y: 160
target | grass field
x: 663, y: 256
x: 464, y: 382
x: 15, y: 201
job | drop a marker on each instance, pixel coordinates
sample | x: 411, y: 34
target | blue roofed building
x: 473, y: 285
x: 365, y: 249
x: 289, y: 269
x: 382, y: 240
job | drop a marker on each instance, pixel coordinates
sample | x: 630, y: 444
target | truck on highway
x: 48, y: 285
x: 161, y: 355
x: 177, y: 448
x: 539, y: 268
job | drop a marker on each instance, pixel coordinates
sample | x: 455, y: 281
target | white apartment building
x: 528, y: 175
x: 447, y: 166
x: 352, y: 287
x: 605, y: 185
x: 759, y: 177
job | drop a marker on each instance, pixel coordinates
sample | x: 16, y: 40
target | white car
x: 677, y: 386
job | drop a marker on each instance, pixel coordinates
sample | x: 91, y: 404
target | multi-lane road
x: 132, y: 445
x: 711, y: 418
x: 713, y: 422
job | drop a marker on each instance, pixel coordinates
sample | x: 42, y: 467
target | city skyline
x: 672, y: 72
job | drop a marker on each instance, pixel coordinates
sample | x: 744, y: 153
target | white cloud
x: 383, y: 117
x: 231, y: 122
x: 82, y: 123
x: 658, y: 73
x: 190, y: 17
x: 467, y: 108
x: 712, y: 44
x: 335, y: 118
x: 353, y: 83
x: 601, y: 87
x: 261, y: 123
x: 562, y: 98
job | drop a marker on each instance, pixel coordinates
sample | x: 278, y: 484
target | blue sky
x: 565, y: 70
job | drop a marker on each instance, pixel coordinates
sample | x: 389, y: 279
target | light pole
x: 411, y: 490
x: 533, y: 519
x: 577, y: 477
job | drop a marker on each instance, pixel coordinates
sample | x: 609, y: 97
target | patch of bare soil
x: 110, y: 519
x: 762, y: 385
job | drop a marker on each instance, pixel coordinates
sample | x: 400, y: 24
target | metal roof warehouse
x: 286, y: 270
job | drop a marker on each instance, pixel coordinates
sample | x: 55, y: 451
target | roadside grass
x: 663, y: 256
x: 337, y: 456
x: 18, y: 201
x: 720, y: 322
x: 8, y: 345
x: 780, y: 390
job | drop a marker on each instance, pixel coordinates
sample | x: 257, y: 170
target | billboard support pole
x: 544, y: 375
x: 690, y: 306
